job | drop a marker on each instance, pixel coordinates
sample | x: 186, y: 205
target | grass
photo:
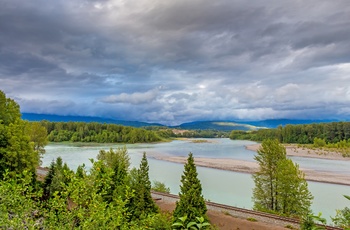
x: 252, y: 219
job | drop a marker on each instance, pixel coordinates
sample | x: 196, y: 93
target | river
x: 219, y: 186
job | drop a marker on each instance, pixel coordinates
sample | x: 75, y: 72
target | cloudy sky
x: 173, y: 61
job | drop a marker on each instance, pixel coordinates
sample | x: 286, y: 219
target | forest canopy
x: 332, y: 132
x: 97, y: 132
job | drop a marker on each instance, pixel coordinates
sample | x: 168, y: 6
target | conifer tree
x: 191, y: 203
x: 56, y: 178
x: 142, y: 201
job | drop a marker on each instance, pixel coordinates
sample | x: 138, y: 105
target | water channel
x: 219, y: 186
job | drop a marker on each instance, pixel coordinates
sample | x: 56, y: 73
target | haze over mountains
x: 214, y: 125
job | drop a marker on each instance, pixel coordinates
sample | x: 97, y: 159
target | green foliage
x: 9, y: 110
x: 155, y: 221
x: 293, y: 196
x: 203, y: 134
x: 98, y: 133
x: 142, y: 202
x: 118, y: 162
x: 38, y: 135
x: 342, y: 218
x: 16, y: 152
x: 333, y: 132
x: 319, y: 143
x: 78, y: 203
x: 183, y: 224
x: 280, y: 186
x: 252, y: 219
x: 312, y: 222
x: 191, y: 203
x: 56, y: 179
x: 268, y: 157
x: 18, y: 206
x: 160, y: 187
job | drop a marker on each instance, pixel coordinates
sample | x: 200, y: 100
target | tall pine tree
x: 191, y: 203
x: 142, y: 202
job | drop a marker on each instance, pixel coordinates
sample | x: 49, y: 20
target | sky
x: 177, y: 61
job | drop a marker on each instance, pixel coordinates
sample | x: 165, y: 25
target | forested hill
x: 59, y: 118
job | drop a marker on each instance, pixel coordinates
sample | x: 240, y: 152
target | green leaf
x: 191, y: 224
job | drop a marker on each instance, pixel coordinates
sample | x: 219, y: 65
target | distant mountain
x: 218, y: 125
x: 58, y: 118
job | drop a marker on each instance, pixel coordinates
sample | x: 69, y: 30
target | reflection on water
x: 218, y: 186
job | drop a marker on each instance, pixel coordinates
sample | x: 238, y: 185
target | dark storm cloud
x: 175, y: 61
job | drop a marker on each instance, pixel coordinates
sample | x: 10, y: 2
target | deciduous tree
x: 342, y: 219
x: 280, y: 186
x: 16, y: 151
x: 38, y: 135
x: 119, y: 162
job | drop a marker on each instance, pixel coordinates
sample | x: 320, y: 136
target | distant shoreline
x: 252, y: 167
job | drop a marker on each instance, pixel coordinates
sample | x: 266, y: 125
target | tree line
x: 167, y: 132
x: 97, y: 132
x: 332, y: 132
x: 112, y: 133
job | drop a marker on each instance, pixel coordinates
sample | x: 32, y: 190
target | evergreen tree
x: 142, y: 201
x: 48, y: 180
x: 280, y: 186
x: 56, y: 179
x: 191, y: 203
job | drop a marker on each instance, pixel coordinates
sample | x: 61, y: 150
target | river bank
x: 252, y: 167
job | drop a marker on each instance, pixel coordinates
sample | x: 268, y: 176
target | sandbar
x: 252, y: 167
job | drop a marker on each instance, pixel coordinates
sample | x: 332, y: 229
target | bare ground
x: 223, y: 221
